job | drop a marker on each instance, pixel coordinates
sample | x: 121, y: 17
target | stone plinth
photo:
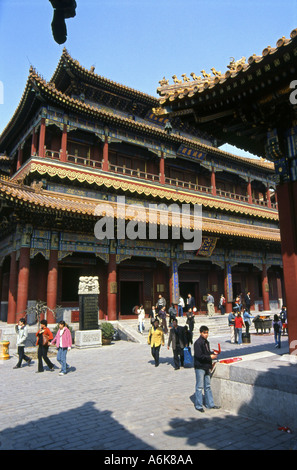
x: 261, y: 386
x: 88, y: 339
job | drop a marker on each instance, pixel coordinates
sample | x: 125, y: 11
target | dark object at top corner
x: 62, y: 9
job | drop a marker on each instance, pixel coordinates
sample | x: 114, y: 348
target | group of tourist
x: 237, y: 321
x: 180, y: 338
x: 175, y: 310
x: 45, y: 338
x: 203, y: 357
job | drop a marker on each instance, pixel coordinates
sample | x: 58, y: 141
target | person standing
x: 239, y: 324
x: 141, y: 317
x: 178, y: 340
x: 210, y: 305
x: 277, y: 326
x: 162, y: 315
x: 231, y: 323
x: 284, y: 319
x: 190, y: 302
x: 181, y: 306
x: 247, y: 301
x: 160, y: 303
x: 172, y: 313
x: 21, y: 330
x: 222, y: 305
x: 63, y: 341
x: 155, y: 340
x: 44, y: 336
x: 188, y: 335
x: 153, y: 314
x: 190, y: 320
x: 237, y: 304
x: 247, y: 318
x: 203, y: 358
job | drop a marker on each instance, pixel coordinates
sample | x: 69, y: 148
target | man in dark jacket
x: 247, y: 301
x: 203, y: 364
x: 178, y: 340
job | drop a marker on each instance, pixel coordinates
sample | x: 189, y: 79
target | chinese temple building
x: 81, y: 141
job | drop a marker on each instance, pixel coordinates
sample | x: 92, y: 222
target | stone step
x: 218, y: 325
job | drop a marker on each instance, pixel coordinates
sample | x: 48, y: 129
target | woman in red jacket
x: 44, y: 336
x: 239, y: 324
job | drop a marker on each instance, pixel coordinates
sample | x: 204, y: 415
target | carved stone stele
x: 88, y: 285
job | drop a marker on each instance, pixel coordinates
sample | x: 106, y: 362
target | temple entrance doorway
x: 188, y: 287
x: 130, y: 295
x: 236, y: 289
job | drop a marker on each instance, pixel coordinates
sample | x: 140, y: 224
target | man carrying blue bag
x: 188, y: 359
x: 178, y: 340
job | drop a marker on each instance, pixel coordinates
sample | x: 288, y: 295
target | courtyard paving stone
x: 114, y: 398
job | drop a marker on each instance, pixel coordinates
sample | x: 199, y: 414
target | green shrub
x: 107, y: 330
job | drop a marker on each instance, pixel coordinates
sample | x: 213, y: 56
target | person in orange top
x: 44, y: 335
x: 239, y: 324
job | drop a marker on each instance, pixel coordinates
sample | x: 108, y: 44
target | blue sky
x: 136, y: 42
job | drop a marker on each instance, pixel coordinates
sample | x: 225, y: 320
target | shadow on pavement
x: 83, y: 428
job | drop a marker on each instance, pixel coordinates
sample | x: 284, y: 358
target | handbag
x: 45, y: 340
x: 188, y: 360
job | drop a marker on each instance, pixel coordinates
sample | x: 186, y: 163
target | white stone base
x: 88, y: 339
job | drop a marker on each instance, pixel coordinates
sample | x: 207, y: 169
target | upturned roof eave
x: 91, y: 76
x: 50, y: 93
x: 204, y: 86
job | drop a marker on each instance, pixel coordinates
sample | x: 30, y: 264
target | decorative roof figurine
x: 62, y: 9
x: 176, y: 80
x: 194, y: 76
x: 234, y: 64
x: 205, y: 75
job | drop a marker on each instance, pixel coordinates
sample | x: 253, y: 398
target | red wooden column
x: 63, y: 154
x: 228, y: 294
x: 23, y: 282
x: 12, y: 289
x: 34, y: 142
x: 213, y: 182
x: 265, y: 288
x: 105, y: 161
x: 268, y: 197
x: 287, y: 206
x: 162, y: 169
x: 112, y: 287
x: 20, y: 157
x: 249, y: 191
x: 41, y: 149
x: 52, y: 285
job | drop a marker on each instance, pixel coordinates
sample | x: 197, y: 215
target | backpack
x: 276, y: 327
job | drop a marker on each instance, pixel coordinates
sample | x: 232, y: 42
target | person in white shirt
x: 141, y: 317
x: 181, y: 306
